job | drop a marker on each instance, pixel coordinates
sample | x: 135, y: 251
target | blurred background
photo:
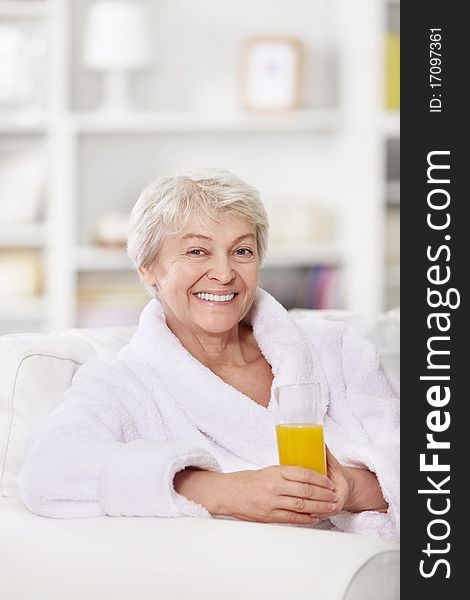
x: 99, y: 97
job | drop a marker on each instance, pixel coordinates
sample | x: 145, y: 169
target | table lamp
x: 116, y: 42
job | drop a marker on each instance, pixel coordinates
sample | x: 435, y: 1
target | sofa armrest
x: 214, y: 559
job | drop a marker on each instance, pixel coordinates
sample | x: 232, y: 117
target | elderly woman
x: 181, y: 422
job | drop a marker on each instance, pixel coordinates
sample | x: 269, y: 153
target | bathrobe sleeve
x: 369, y: 411
x: 90, y: 458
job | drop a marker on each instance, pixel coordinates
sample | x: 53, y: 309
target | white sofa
x: 147, y: 558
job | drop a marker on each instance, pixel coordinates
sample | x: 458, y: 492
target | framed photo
x: 270, y: 73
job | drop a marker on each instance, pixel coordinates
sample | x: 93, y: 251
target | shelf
x: 188, y: 122
x: 303, y: 256
x: 22, y: 123
x: 22, y: 235
x: 24, y: 9
x: 90, y: 258
x: 177, y: 122
x: 26, y: 309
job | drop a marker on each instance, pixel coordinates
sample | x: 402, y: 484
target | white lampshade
x: 116, y: 37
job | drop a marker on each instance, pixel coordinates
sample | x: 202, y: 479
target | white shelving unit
x: 333, y: 151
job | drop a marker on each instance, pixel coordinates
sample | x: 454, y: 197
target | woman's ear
x: 146, y: 275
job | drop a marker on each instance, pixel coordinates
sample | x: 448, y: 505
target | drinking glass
x: 299, y: 426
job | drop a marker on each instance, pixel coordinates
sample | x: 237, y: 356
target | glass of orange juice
x: 299, y: 426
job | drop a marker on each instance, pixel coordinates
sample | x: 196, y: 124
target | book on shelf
x: 109, y: 299
x: 392, y: 71
x: 316, y: 287
x: 21, y: 274
x: 392, y: 234
x: 324, y: 287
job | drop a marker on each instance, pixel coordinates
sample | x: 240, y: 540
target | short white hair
x: 166, y: 204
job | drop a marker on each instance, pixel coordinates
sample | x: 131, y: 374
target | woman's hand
x: 277, y: 494
x: 357, y: 489
x: 283, y: 494
x: 339, y: 476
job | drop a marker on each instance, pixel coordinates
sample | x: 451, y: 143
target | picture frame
x: 270, y: 73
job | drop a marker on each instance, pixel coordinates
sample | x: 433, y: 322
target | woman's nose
x: 221, y: 269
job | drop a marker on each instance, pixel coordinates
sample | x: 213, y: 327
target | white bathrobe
x: 126, y: 426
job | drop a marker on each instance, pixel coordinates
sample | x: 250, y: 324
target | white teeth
x: 215, y: 297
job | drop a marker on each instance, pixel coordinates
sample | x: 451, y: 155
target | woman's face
x: 207, y: 274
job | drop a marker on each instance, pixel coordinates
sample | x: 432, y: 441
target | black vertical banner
x: 435, y: 240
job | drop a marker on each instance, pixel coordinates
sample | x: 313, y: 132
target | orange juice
x: 302, y: 445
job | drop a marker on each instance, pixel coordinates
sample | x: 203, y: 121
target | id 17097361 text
x: 435, y: 70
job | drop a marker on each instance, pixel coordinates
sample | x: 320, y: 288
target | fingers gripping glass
x: 299, y: 426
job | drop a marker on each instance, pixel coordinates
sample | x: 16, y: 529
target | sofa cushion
x: 37, y: 369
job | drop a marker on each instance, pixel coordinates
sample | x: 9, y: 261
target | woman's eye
x: 196, y: 252
x: 243, y: 252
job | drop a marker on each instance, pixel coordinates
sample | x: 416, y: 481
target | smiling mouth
x: 220, y: 298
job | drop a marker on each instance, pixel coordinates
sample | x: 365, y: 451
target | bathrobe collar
x: 217, y: 409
